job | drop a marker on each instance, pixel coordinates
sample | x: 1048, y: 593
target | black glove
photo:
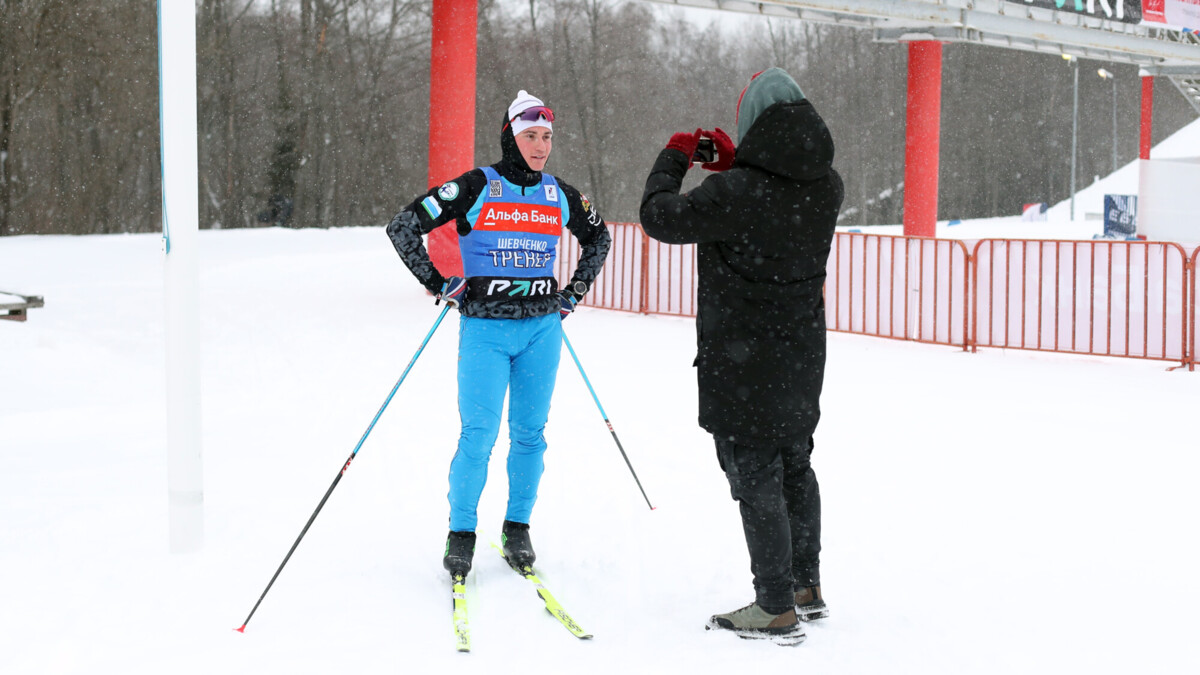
x: 566, y: 304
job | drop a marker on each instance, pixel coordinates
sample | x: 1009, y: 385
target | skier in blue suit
x: 509, y: 217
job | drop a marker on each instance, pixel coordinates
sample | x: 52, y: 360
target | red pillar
x: 1147, y: 115
x: 921, y: 131
x: 451, y: 113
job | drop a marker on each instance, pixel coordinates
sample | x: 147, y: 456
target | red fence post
x: 973, y: 265
x: 644, y: 307
x: 1192, y: 272
x: 968, y: 339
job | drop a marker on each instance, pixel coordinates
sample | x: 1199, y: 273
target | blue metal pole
x: 605, y: 416
x: 345, y: 466
x: 399, y: 382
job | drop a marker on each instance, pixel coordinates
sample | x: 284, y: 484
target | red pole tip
x: 241, y: 630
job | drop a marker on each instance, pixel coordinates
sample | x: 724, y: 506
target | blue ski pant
x: 497, y: 356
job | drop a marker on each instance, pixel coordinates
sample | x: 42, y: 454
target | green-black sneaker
x: 754, y: 623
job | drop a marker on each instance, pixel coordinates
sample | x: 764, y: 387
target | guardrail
x: 1106, y: 298
x: 1132, y: 299
x: 641, y: 274
x: 904, y: 288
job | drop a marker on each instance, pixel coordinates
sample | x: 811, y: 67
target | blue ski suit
x: 509, y: 220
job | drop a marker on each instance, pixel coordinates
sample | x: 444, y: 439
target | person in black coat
x: 763, y: 225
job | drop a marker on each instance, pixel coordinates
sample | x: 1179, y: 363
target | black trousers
x: 776, y: 490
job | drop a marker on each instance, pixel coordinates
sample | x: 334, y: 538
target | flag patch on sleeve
x: 431, y: 207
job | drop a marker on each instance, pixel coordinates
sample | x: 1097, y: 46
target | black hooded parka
x: 764, y: 229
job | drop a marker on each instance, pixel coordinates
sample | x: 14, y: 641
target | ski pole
x: 605, y: 416
x: 344, y: 467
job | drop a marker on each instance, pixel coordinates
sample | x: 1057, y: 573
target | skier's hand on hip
x: 566, y: 304
x: 452, y: 291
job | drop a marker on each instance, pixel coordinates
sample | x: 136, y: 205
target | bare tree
x: 315, y: 112
x: 25, y: 26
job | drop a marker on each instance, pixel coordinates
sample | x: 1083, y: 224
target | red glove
x: 685, y: 143
x: 724, y: 147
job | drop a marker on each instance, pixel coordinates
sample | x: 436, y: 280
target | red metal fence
x: 1130, y: 298
x: 641, y: 274
x: 906, y: 288
x: 1111, y: 298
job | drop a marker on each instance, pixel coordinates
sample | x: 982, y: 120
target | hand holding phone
x: 723, y: 151
x: 686, y: 143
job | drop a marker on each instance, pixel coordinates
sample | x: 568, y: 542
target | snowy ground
x: 998, y: 512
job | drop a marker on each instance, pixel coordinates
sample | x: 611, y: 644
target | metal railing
x: 1106, y: 298
x: 905, y: 288
x: 1133, y: 299
x: 640, y: 275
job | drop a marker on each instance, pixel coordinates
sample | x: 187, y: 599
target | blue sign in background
x: 1120, y: 215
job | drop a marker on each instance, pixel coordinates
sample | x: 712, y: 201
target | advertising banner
x: 1181, y: 13
x: 1120, y: 216
x: 1125, y: 11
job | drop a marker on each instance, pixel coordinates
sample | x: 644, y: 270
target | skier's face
x: 534, y: 144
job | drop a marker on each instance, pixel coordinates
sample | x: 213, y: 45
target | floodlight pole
x: 1114, y: 113
x: 1144, y: 136
x: 1074, y: 61
x: 1114, y: 125
x: 1106, y: 75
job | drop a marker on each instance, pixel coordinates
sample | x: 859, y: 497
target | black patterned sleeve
x: 589, y: 228
x: 447, y: 202
x: 406, y: 235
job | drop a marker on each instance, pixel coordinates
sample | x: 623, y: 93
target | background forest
x: 314, y: 113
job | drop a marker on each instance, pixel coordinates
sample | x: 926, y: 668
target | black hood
x: 512, y: 165
x: 790, y: 140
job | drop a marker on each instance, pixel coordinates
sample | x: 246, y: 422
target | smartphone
x: 705, y: 152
